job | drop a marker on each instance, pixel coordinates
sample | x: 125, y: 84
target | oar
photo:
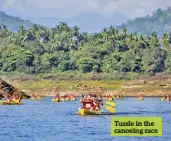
x: 110, y: 109
x: 110, y: 103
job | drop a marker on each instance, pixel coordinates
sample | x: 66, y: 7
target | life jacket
x: 87, y: 104
x: 96, y: 105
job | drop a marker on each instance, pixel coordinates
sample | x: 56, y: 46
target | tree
x: 86, y: 64
x: 153, y: 60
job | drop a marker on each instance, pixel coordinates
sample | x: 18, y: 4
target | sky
x: 70, y: 8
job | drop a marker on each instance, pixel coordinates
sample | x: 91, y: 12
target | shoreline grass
x: 128, y: 88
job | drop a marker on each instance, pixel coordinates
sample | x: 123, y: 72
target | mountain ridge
x: 159, y: 22
x: 13, y: 22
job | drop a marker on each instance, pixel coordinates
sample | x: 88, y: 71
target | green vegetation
x: 159, y: 22
x: 65, y: 52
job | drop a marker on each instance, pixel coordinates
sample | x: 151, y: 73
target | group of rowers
x: 108, y: 96
x: 65, y: 97
x: 91, y: 102
x: 15, y: 97
x: 34, y: 97
x: 166, y: 97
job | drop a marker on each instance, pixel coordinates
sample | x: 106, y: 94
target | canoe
x: 73, y: 99
x: 55, y: 100
x: 62, y: 99
x: 141, y: 98
x: 10, y: 103
x: 36, y: 99
x: 84, y: 112
x: 109, y: 99
x: 163, y: 99
x: 66, y: 99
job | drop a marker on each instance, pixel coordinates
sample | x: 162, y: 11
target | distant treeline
x: 65, y: 49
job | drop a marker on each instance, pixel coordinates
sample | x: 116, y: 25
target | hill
x: 87, y: 22
x: 13, y: 22
x: 46, y: 21
x: 159, y: 22
x: 93, y: 22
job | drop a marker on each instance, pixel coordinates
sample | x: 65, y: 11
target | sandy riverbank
x: 150, y: 87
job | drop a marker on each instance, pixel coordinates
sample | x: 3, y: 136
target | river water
x: 47, y: 121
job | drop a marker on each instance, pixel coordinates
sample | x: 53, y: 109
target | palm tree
x: 165, y: 40
x: 75, y: 31
x: 104, y: 34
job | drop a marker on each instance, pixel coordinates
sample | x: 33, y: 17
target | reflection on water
x: 47, y: 121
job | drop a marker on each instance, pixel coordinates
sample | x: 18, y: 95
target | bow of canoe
x: 84, y: 112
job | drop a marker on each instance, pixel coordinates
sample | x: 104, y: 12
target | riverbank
x: 149, y: 87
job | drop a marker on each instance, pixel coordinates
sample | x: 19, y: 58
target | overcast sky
x: 70, y: 8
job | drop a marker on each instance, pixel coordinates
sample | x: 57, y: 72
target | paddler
x: 38, y: 97
x: 57, y: 96
x: 87, y: 103
x: 33, y: 97
x: 72, y: 96
x: 167, y: 96
x: 96, y: 103
x: 66, y: 96
x: 14, y: 97
x: 17, y: 97
x: 7, y: 97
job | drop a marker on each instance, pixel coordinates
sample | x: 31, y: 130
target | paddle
x: 110, y: 103
x: 110, y: 109
x: 110, y: 106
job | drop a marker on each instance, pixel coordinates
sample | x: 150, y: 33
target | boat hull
x: 73, y: 99
x: 163, y: 99
x: 10, y: 103
x: 84, y: 112
x: 140, y: 98
x: 36, y: 99
x: 55, y: 100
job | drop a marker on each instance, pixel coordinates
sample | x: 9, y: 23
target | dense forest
x: 64, y: 49
x: 159, y: 21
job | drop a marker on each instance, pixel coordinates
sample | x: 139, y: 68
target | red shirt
x: 87, y: 104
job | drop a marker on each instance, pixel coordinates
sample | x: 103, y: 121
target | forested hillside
x: 13, y: 22
x: 65, y: 49
x: 159, y: 21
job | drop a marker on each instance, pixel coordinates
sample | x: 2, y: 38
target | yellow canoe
x: 55, y: 100
x: 84, y: 112
x: 109, y: 99
x: 66, y: 99
x: 36, y: 99
x: 163, y: 99
x: 10, y: 103
x: 62, y: 99
x: 141, y: 98
x: 73, y: 99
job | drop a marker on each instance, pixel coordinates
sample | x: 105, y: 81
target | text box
x: 136, y: 126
